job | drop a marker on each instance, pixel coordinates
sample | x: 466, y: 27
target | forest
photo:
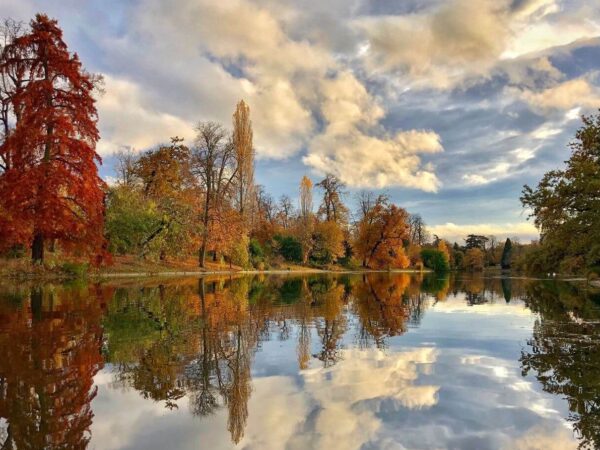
x: 199, y: 201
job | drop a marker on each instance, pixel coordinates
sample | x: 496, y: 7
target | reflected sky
x: 372, y: 361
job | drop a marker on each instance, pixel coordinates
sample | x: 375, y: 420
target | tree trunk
x: 37, y: 248
x: 202, y: 253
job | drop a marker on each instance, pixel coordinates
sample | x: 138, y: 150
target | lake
x: 352, y: 361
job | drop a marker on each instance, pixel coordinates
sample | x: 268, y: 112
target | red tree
x: 52, y: 189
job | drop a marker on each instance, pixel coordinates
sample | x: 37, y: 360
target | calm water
x: 371, y: 361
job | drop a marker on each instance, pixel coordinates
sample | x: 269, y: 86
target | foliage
x: 506, y: 254
x: 240, y: 256
x: 435, y: 260
x: 74, y: 269
x: 476, y: 241
x: 329, y: 243
x: 566, y: 204
x: 49, y: 183
x: 289, y: 247
x: 380, y: 234
x: 473, y: 260
x: 332, y: 208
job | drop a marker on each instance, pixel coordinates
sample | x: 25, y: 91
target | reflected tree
x: 50, y: 347
x: 564, y: 353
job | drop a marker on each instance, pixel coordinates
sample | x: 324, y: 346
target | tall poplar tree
x: 244, y: 153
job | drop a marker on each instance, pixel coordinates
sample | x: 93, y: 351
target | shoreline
x: 183, y: 273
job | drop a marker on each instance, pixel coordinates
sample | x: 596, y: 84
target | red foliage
x: 52, y: 189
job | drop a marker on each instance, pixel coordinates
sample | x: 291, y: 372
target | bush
x: 75, y: 270
x: 435, y: 260
x: 240, y: 255
x: 289, y: 248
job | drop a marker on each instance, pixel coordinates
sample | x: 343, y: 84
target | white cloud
x: 456, y: 233
x: 126, y: 120
x: 570, y: 94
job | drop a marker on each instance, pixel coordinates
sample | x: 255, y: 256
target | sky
x: 448, y: 106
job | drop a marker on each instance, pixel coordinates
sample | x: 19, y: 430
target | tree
x: 50, y: 185
x: 435, y: 260
x: 289, y: 247
x: 442, y: 246
x: 476, y: 241
x: 214, y: 164
x: 506, y: 254
x: 565, y: 205
x: 244, y: 154
x: 329, y: 242
x: 418, y: 234
x: 304, y: 227
x: 473, y: 259
x: 332, y: 208
x: 285, y: 212
x: 306, y: 202
x: 125, y: 166
x: 165, y: 178
x: 380, y: 234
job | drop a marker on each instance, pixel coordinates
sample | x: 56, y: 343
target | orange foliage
x: 381, y: 233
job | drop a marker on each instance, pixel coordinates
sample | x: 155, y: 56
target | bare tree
x: 125, y: 165
x: 285, y: 211
x: 214, y: 165
x: 418, y: 234
x: 12, y: 81
x: 332, y: 207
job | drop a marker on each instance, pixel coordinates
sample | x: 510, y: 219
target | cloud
x: 456, y: 233
x: 564, y: 96
x: 126, y: 120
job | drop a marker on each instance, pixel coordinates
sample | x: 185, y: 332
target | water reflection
x: 564, y: 352
x: 50, y: 345
x: 345, y: 361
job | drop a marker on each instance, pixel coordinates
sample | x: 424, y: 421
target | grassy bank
x: 131, y: 266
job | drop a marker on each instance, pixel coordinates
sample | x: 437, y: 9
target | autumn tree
x: 328, y: 242
x: 50, y: 184
x: 304, y: 227
x: 332, y: 207
x: 473, y: 259
x: 215, y: 166
x: 244, y: 155
x: 306, y: 199
x: 380, y: 234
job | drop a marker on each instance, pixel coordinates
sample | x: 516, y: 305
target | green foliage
x: 130, y: 219
x: 476, y: 241
x: 506, y: 254
x: 566, y: 207
x: 435, y: 260
x: 458, y: 257
x: 74, y: 270
x: 240, y: 256
x: 256, y: 250
x: 289, y: 248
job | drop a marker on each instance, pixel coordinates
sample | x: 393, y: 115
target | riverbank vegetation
x: 197, y: 204
x: 565, y: 206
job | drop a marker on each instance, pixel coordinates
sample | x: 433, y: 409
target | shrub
x: 75, y: 270
x: 240, y: 256
x: 435, y: 260
x: 289, y: 248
